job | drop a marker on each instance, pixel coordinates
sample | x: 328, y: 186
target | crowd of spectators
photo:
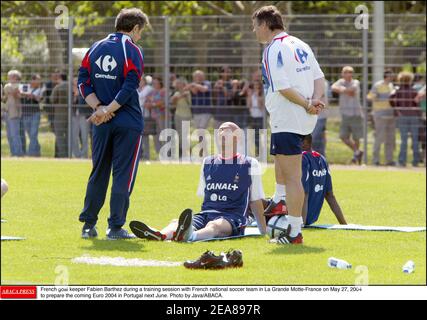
x: 396, y: 104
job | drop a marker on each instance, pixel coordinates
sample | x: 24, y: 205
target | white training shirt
x: 287, y: 63
x: 256, y: 189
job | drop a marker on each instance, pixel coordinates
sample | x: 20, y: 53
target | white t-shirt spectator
x: 143, y: 94
x: 287, y: 63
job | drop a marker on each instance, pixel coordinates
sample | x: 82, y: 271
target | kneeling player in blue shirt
x: 317, y: 183
x: 229, y: 184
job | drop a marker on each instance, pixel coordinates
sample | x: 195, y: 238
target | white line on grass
x: 123, y: 262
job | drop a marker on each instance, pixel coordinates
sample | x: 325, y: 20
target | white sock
x: 280, y: 193
x: 193, y: 237
x: 296, y: 225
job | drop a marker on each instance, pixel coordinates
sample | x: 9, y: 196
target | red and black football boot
x: 142, y: 231
x: 185, y: 226
x: 285, y: 238
x: 208, y: 260
x: 276, y: 209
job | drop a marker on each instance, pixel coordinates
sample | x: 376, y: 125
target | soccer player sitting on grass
x: 317, y: 183
x: 229, y: 184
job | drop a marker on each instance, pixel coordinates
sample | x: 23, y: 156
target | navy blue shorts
x: 286, y: 143
x: 238, y: 222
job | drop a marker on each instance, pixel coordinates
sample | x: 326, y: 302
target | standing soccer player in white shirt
x: 293, y: 85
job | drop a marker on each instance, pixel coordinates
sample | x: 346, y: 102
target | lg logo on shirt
x: 318, y: 188
x: 215, y: 197
x: 106, y: 63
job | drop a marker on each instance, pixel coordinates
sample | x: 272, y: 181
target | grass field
x: 46, y: 196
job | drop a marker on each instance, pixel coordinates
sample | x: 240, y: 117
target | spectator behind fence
x: 201, y: 99
x: 239, y: 112
x: 319, y: 132
x: 256, y: 106
x: 144, y: 91
x: 221, y: 96
x: 421, y: 99
x: 181, y: 102
x: 80, y: 126
x: 12, y: 99
x: 31, y: 114
x: 155, y: 102
x: 408, y: 114
x: 351, y: 130
x: 59, y: 100
x: 385, y: 123
x: 48, y: 108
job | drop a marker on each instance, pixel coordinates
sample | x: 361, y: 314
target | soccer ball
x: 276, y: 225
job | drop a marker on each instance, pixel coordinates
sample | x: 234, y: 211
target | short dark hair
x: 63, y: 76
x: 127, y: 19
x: 271, y: 16
x: 387, y: 73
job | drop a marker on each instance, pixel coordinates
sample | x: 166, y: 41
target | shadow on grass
x: 296, y: 249
x: 116, y: 245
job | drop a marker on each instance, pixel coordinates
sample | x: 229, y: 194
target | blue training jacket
x: 112, y: 69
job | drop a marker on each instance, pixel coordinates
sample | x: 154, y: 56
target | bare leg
x: 280, y: 179
x: 214, y: 229
x: 350, y: 144
x: 290, y: 166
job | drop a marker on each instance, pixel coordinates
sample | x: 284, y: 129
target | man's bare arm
x: 258, y: 211
x: 200, y: 87
x: 335, y: 207
x: 92, y: 100
x: 294, y: 97
x: 319, y: 89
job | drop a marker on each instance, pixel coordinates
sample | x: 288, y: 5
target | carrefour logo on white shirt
x: 306, y: 68
x: 222, y: 186
x: 319, y: 173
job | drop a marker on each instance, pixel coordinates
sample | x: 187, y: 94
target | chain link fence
x: 220, y: 52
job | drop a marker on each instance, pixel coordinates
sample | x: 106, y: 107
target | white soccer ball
x: 276, y: 225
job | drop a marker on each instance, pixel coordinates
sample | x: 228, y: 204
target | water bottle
x: 338, y: 263
x: 409, y: 267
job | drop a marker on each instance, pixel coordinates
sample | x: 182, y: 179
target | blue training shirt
x: 227, y: 186
x: 317, y: 181
x: 112, y: 69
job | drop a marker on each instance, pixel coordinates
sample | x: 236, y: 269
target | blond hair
x: 347, y: 68
x: 14, y: 73
x: 405, y: 77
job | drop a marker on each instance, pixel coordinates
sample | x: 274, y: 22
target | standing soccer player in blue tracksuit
x: 108, y: 80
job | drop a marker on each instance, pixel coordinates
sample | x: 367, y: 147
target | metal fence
x: 174, y: 48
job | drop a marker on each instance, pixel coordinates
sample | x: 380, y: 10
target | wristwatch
x: 104, y: 109
x: 309, y: 104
